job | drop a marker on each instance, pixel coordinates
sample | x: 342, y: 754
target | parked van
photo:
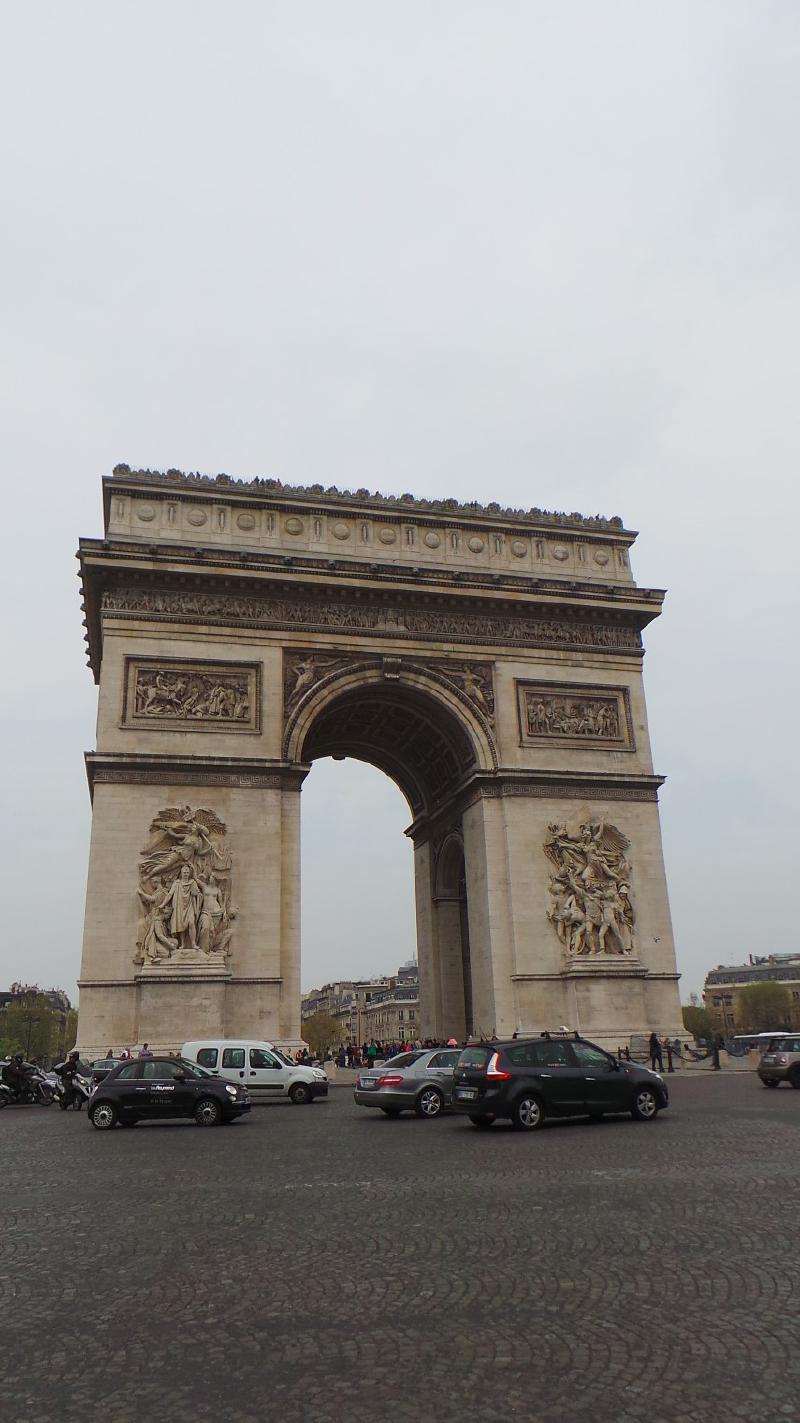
x: 258, y: 1066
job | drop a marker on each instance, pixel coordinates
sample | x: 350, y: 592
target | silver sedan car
x: 420, y: 1082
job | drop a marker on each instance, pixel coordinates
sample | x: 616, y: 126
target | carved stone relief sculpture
x: 590, y: 896
x: 578, y: 716
x: 520, y: 629
x: 474, y: 679
x: 177, y: 695
x: 303, y: 670
x: 185, y: 891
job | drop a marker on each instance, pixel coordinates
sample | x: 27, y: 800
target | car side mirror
x: 614, y: 1064
x: 180, y: 1076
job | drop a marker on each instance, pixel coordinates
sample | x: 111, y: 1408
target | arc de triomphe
x: 488, y: 660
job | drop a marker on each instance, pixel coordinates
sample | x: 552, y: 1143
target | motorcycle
x: 35, y: 1090
x: 81, y: 1092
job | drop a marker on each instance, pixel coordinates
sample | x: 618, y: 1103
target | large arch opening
x: 428, y: 749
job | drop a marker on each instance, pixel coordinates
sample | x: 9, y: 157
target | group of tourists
x: 351, y: 1055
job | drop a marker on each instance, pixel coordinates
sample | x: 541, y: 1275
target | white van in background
x: 258, y: 1066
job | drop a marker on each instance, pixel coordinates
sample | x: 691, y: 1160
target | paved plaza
x: 325, y: 1263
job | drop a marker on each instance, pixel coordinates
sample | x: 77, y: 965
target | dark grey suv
x: 526, y: 1081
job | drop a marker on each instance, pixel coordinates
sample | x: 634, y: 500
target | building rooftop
x: 398, y: 502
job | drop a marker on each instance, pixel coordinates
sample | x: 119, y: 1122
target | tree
x: 320, y: 1031
x: 31, y: 1025
x: 763, y: 1007
x: 699, y: 1022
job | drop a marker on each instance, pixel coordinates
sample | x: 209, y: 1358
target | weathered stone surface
x: 488, y: 660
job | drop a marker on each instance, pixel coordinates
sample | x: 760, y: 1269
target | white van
x: 260, y: 1067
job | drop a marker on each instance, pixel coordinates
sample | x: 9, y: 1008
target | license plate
x: 368, y: 1086
x: 466, y: 1094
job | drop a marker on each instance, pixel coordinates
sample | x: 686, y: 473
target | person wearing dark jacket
x: 67, y: 1071
x: 654, y: 1047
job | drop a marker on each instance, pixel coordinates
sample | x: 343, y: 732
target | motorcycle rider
x: 67, y: 1071
x: 16, y: 1074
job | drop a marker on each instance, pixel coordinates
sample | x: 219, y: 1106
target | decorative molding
x: 539, y: 785
x: 118, y: 768
x: 575, y: 715
x: 177, y: 694
x: 221, y: 483
x: 556, y: 786
x: 373, y: 619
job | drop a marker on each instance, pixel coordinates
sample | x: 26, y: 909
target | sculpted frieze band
x: 181, y: 695
x: 378, y: 619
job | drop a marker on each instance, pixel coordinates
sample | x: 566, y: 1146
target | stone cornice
x: 116, y: 553
x: 105, y: 566
x: 273, y: 491
x: 164, y: 769
x: 592, y: 786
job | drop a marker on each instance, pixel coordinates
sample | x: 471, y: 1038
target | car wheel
x: 527, y: 1114
x: 773, y: 1083
x: 391, y: 1111
x: 104, y: 1116
x: 645, y: 1105
x: 429, y: 1103
x: 300, y: 1094
x: 207, y: 1113
x: 482, y: 1122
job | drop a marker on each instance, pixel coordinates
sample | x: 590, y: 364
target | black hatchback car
x: 528, y: 1080
x: 156, y: 1088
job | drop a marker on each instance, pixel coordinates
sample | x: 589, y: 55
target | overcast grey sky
x: 533, y: 252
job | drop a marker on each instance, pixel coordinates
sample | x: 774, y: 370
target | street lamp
x: 32, y: 1023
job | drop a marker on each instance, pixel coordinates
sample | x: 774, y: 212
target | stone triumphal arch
x: 488, y: 660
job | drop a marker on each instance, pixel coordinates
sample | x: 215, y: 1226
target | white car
x: 260, y: 1067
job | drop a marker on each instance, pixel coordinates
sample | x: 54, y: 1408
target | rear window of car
x: 404, y: 1059
x: 784, y: 1045
x: 474, y: 1057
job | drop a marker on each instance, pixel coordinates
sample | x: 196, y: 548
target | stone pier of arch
x: 488, y: 660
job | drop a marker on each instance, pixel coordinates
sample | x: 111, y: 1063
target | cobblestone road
x: 325, y: 1263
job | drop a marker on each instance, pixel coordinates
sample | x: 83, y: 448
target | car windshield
x: 473, y: 1057
x: 106, y: 1062
x: 283, y: 1057
x: 403, y: 1059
